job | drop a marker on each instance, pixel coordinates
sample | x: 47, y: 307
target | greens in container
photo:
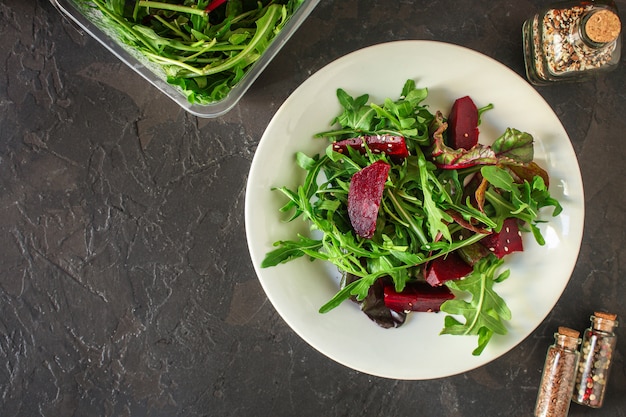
x: 204, y: 54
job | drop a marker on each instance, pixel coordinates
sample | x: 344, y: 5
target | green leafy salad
x: 204, y: 46
x: 415, y: 212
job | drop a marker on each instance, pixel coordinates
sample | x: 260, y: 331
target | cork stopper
x: 603, y: 26
x: 605, y: 322
x: 606, y: 316
x: 566, y: 331
x: 567, y: 338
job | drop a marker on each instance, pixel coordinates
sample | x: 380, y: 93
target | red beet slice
x: 364, y: 196
x: 417, y: 296
x: 463, y: 124
x: 507, y: 241
x: 391, y: 145
x: 447, y: 268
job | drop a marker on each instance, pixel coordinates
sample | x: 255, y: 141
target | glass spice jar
x: 559, y: 375
x: 595, y: 361
x: 572, y: 41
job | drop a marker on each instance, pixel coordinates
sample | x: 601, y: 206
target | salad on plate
x: 415, y: 212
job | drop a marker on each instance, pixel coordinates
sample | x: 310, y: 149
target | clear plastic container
x: 89, y: 23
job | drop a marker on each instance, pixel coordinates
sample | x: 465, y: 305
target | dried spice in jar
x: 595, y: 361
x: 559, y: 375
x: 572, y: 41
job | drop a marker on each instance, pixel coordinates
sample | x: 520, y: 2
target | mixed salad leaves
x: 415, y: 212
x: 204, y: 46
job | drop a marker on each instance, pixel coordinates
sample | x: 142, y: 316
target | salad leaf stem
x: 407, y: 218
x: 436, y: 217
x: 264, y: 26
x: 127, y: 28
x: 171, y: 61
x: 172, y: 7
x: 173, y: 28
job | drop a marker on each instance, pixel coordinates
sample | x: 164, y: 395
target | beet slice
x: 463, y: 124
x: 507, y: 241
x: 364, y: 196
x: 416, y: 296
x: 446, y: 268
x: 391, y: 145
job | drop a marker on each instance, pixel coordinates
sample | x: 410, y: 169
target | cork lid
x: 566, y: 331
x: 603, y: 26
x: 605, y: 322
x: 606, y: 316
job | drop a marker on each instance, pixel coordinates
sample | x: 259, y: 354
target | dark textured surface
x: 126, y: 287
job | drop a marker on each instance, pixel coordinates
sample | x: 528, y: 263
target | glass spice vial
x: 559, y: 375
x: 572, y: 41
x: 595, y: 361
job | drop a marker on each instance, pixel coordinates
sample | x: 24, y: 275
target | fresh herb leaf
x: 405, y: 117
x: 514, y: 145
x: 289, y: 250
x: 356, y: 115
x: 520, y: 200
x: 485, y: 313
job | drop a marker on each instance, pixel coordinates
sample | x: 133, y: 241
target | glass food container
x: 90, y: 20
x: 571, y: 41
x: 598, y: 344
x: 559, y: 375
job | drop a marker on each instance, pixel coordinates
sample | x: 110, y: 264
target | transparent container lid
x: 89, y: 22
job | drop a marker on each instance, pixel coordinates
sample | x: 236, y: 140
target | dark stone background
x: 126, y: 288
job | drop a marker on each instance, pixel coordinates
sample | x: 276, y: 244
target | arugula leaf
x: 486, y: 311
x: 523, y: 201
x: 356, y: 115
x: 405, y: 117
x: 437, y: 218
x: 289, y: 250
x: 414, y: 95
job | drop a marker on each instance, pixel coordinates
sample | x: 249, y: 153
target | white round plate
x: 297, y: 289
